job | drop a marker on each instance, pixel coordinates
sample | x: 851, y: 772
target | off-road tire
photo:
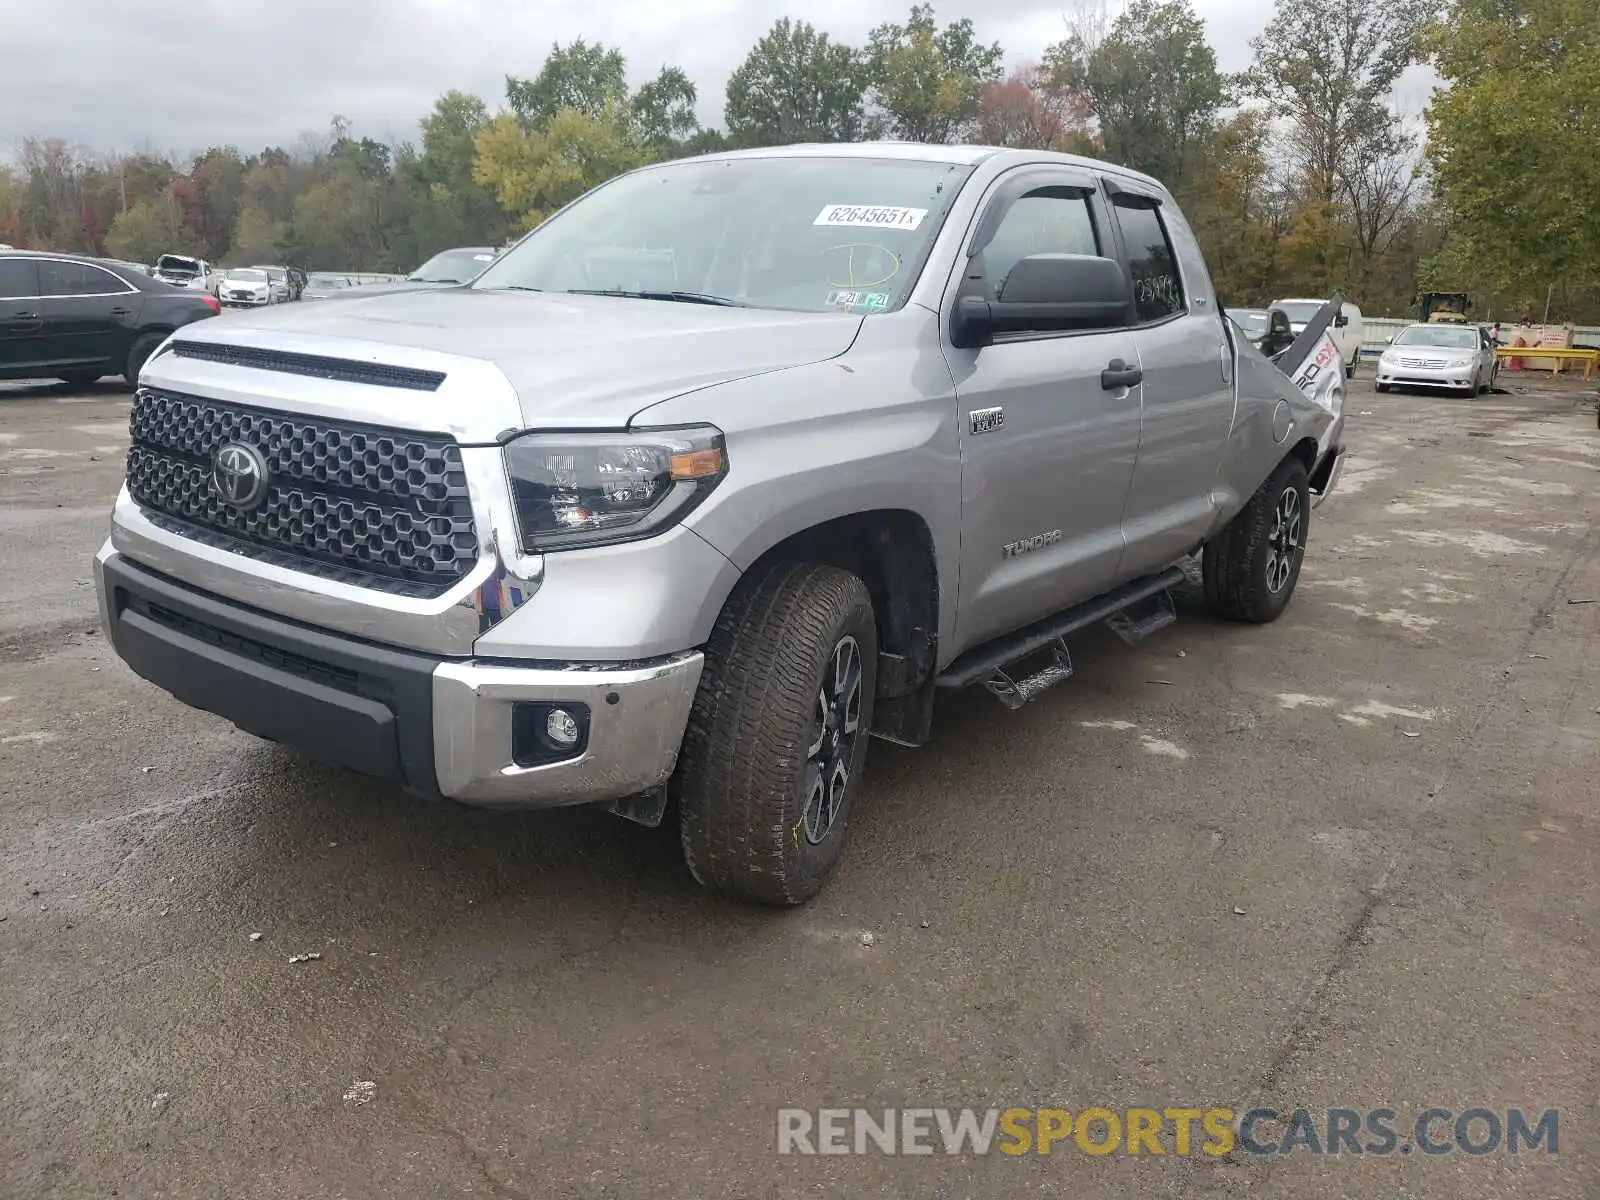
x: 740, y: 781
x: 1234, y: 565
x: 143, y: 347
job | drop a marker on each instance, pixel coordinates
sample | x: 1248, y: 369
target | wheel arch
x: 892, y: 551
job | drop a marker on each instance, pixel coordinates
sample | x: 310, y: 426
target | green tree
x: 928, y: 81
x: 797, y: 85
x: 255, y: 237
x: 218, y: 176
x: 534, y: 172
x: 663, y: 111
x: 588, y: 78
x: 146, y: 230
x: 1153, y: 85
x: 1328, y: 70
x: 1513, y: 145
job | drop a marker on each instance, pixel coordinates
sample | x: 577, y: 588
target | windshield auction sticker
x: 869, y: 216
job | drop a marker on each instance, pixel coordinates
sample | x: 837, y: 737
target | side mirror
x: 1389, y: 341
x: 1046, y: 292
x: 1341, y: 321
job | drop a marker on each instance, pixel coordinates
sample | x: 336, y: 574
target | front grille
x: 1426, y: 363
x: 380, y: 508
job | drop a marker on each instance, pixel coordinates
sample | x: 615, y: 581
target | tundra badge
x: 1030, y: 544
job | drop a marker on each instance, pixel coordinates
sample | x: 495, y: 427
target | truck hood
x: 573, y: 360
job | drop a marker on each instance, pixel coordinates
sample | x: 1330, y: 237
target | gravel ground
x: 1345, y: 860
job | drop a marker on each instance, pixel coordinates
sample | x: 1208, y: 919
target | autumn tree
x: 1023, y: 112
x: 927, y: 81
x: 533, y: 173
x: 797, y: 85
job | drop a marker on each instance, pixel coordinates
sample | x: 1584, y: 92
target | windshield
x: 327, y: 281
x: 1300, y: 311
x: 1453, y: 337
x: 247, y: 275
x: 171, y: 262
x: 453, y: 266
x: 808, y: 234
x: 1251, y: 320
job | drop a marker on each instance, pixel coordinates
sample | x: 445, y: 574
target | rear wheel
x: 777, y: 738
x: 1250, y: 569
x: 143, y: 347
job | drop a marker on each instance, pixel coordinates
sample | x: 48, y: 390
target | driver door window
x: 1049, y: 220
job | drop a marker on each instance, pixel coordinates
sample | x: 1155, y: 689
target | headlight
x: 590, y: 489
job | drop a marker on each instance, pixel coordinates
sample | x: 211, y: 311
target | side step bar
x: 987, y: 663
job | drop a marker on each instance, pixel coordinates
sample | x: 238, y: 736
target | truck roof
x: 958, y: 155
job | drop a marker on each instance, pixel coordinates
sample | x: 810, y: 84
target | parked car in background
x: 1252, y: 322
x: 445, y: 269
x: 246, y: 287
x: 180, y: 270
x: 1347, y: 332
x: 123, y: 265
x: 1457, y: 358
x: 320, y: 285
x: 78, y: 319
x: 279, y: 278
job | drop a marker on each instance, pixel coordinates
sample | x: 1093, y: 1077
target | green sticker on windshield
x: 859, y: 301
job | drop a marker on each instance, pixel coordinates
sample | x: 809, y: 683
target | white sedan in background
x: 1456, y: 358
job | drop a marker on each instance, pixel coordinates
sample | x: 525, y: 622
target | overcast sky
x: 133, y: 74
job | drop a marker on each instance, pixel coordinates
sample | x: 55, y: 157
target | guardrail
x: 1554, y: 354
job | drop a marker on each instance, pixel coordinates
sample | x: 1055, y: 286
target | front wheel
x: 1251, y: 567
x: 778, y: 734
x: 1380, y: 387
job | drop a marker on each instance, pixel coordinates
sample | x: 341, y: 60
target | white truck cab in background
x: 1347, y: 331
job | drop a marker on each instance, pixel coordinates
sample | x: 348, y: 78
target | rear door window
x: 60, y: 278
x: 19, y: 279
x: 1157, y: 283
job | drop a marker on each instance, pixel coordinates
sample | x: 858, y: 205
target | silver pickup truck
x: 732, y: 464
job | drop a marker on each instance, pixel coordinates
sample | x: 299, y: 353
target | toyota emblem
x: 240, y: 475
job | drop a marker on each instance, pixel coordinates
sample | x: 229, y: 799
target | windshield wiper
x: 682, y: 297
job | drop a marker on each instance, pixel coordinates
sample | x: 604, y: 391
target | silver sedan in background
x: 1457, y: 358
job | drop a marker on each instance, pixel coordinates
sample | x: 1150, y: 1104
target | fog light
x: 561, y: 727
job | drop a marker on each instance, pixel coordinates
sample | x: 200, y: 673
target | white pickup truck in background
x: 1347, y: 330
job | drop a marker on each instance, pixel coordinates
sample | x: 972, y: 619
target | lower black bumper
x: 350, y: 704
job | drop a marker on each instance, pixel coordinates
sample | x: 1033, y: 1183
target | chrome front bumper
x: 438, y: 727
x: 1454, y: 378
x: 636, y: 719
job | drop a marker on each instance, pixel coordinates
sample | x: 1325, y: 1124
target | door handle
x: 1119, y: 374
x: 120, y: 312
x: 24, y: 315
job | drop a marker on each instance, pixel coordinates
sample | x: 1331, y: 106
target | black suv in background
x: 78, y: 319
